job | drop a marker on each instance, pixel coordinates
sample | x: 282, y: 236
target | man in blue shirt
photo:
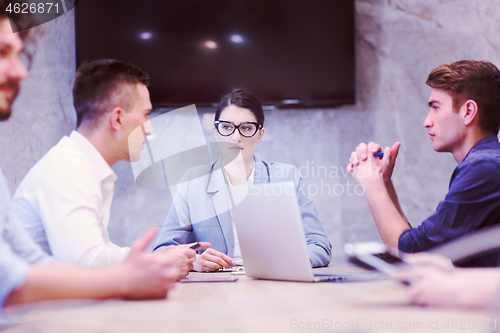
x: 464, y: 119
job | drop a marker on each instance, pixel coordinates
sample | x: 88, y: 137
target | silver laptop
x: 272, y: 238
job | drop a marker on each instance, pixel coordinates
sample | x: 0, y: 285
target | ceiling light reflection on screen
x: 145, y: 35
x: 209, y: 44
x: 238, y: 39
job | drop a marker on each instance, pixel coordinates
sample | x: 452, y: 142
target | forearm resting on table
x: 468, y: 288
x: 477, y: 287
x: 61, y: 281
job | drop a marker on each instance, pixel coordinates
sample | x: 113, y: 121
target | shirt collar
x: 95, y: 158
x: 249, y: 181
x: 484, y: 141
x: 487, y: 139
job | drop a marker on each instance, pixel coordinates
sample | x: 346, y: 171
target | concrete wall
x: 398, y: 42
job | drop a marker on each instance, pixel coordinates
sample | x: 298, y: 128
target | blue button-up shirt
x: 17, y: 249
x: 472, y: 203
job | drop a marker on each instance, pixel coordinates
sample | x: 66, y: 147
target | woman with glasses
x: 200, y: 209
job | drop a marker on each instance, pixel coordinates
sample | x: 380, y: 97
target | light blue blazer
x: 200, y: 210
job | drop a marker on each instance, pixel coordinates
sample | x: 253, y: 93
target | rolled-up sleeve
x: 17, y: 253
x: 17, y: 249
x: 13, y: 271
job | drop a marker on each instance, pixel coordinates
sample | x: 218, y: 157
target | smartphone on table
x: 373, y: 255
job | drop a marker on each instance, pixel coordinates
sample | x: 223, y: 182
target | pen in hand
x: 379, y: 154
x: 195, y: 246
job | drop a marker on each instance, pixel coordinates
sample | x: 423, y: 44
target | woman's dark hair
x: 242, y: 99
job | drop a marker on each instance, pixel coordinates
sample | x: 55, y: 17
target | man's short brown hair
x: 103, y: 84
x: 471, y: 79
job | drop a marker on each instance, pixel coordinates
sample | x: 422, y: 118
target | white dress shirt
x: 238, y: 193
x: 64, y: 203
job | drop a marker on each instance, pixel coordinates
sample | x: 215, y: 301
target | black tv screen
x: 287, y: 52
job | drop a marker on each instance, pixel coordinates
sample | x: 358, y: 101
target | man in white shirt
x: 64, y: 201
x: 27, y: 274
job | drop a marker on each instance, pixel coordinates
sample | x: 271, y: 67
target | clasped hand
x: 365, y: 166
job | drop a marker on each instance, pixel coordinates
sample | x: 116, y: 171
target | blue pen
x: 379, y: 154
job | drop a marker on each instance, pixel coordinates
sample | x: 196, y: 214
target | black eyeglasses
x: 227, y: 128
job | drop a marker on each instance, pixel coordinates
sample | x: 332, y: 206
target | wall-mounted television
x: 289, y: 53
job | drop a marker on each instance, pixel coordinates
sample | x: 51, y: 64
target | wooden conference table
x: 249, y: 305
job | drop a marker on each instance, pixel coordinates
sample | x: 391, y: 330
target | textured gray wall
x: 398, y: 43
